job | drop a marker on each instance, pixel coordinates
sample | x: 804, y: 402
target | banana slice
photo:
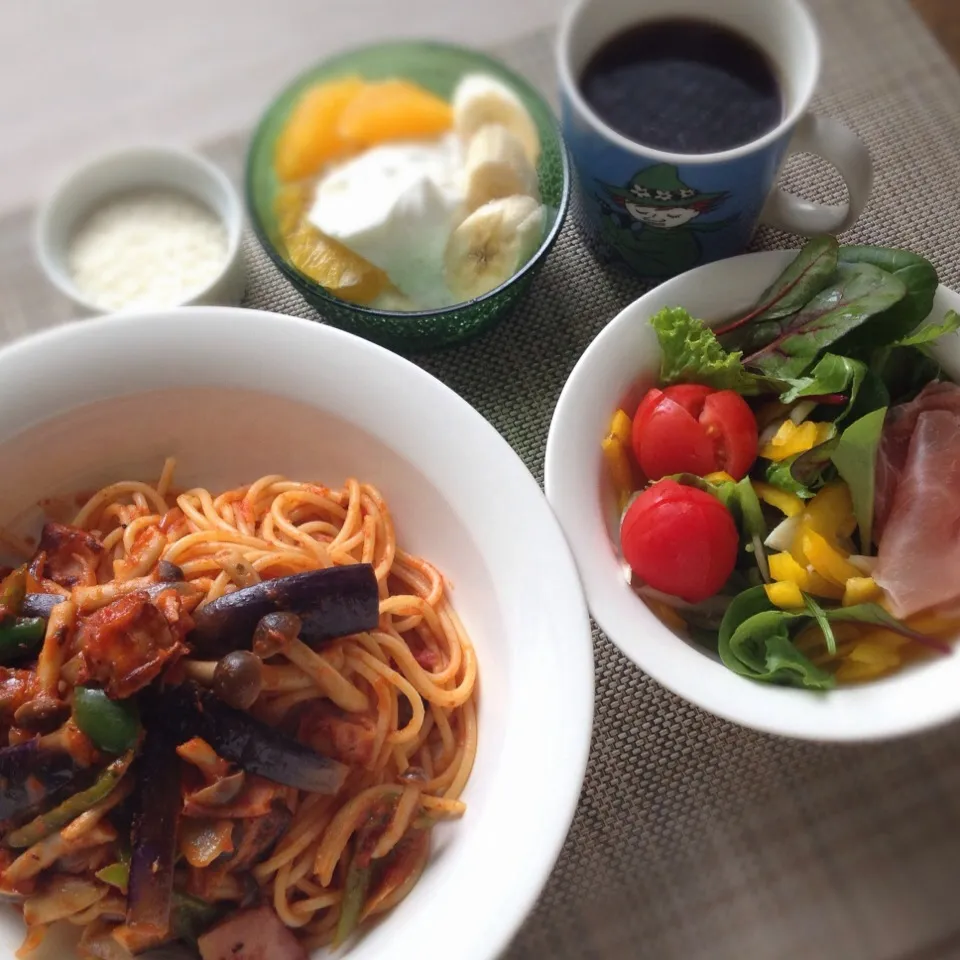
x: 481, y: 99
x: 492, y: 244
x: 496, y: 167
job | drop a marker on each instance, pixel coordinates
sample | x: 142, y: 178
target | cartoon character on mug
x: 650, y: 223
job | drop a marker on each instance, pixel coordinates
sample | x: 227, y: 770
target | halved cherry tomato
x: 690, y: 428
x: 680, y: 540
x: 733, y: 428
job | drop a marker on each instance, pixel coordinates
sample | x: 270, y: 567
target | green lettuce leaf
x: 690, y: 353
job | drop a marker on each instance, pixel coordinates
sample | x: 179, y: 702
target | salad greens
x: 840, y: 336
x: 691, y: 352
x: 855, y: 458
x: 755, y: 641
x: 917, y: 274
x: 832, y: 375
x: 858, y: 293
x: 756, y: 637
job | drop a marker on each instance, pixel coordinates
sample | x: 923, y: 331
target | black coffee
x: 684, y: 85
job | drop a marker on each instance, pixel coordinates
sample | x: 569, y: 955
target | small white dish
x: 96, y: 182
x: 236, y: 394
x: 625, y: 356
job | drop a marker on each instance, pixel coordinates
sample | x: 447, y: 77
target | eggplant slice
x: 331, y: 603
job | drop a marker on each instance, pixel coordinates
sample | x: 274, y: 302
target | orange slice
x: 311, y: 135
x: 335, y: 267
x: 289, y: 206
x: 393, y: 110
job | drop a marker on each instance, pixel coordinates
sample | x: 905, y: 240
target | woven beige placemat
x: 693, y: 838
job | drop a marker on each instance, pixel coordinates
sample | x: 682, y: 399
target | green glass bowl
x: 438, y: 67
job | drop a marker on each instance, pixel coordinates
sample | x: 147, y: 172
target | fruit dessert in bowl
x: 409, y: 191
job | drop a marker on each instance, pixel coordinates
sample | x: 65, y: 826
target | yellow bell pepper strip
x: 852, y: 671
x: 788, y: 504
x: 811, y: 638
x: 621, y: 427
x: 786, y: 595
x: 861, y: 590
x: 719, y: 476
x: 792, y: 438
x: 830, y: 512
x: 618, y: 465
x: 826, y: 559
x: 784, y: 567
x: 615, y: 446
x: 884, y: 638
x: 874, y: 653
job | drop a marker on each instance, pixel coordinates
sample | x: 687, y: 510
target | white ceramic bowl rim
x: 71, y: 188
x: 487, y: 879
x: 626, y: 354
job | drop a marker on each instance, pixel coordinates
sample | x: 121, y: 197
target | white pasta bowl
x: 236, y: 394
x: 625, y: 357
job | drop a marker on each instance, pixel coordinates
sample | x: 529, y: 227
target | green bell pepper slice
x: 71, y: 808
x: 112, y: 725
x: 21, y: 637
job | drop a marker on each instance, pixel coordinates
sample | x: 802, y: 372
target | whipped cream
x: 396, y: 205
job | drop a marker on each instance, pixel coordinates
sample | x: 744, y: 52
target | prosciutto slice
x: 917, y: 510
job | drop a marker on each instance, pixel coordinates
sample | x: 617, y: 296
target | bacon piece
x: 126, y: 644
x: 72, y: 555
x: 17, y: 687
x: 918, y: 561
x: 898, y: 430
x: 332, y: 732
x: 257, y: 934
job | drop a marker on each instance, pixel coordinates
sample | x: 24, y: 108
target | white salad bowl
x: 625, y: 358
x: 236, y: 394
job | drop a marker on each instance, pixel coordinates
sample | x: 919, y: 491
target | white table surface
x: 81, y: 76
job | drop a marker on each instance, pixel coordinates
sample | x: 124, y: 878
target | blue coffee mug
x: 661, y: 213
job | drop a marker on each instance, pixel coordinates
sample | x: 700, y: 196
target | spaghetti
x: 397, y: 704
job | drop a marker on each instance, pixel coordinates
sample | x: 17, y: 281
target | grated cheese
x: 148, y: 248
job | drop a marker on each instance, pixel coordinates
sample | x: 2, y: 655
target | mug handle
x: 840, y: 146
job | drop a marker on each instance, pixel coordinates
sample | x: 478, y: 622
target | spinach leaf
x: 918, y: 275
x: 904, y: 371
x: 803, y: 473
x: 872, y: 395
x: 754, y: 641
x: 823, y: 622
x: 691, y: 353
x: 859, y: 292
x: 831, y: 375
x: 931, y: 331
x: 780, y: 474
x: 856, y: 461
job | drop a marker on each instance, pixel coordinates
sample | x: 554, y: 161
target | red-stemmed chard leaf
x: 859, y: 292
x: 811, y: 271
